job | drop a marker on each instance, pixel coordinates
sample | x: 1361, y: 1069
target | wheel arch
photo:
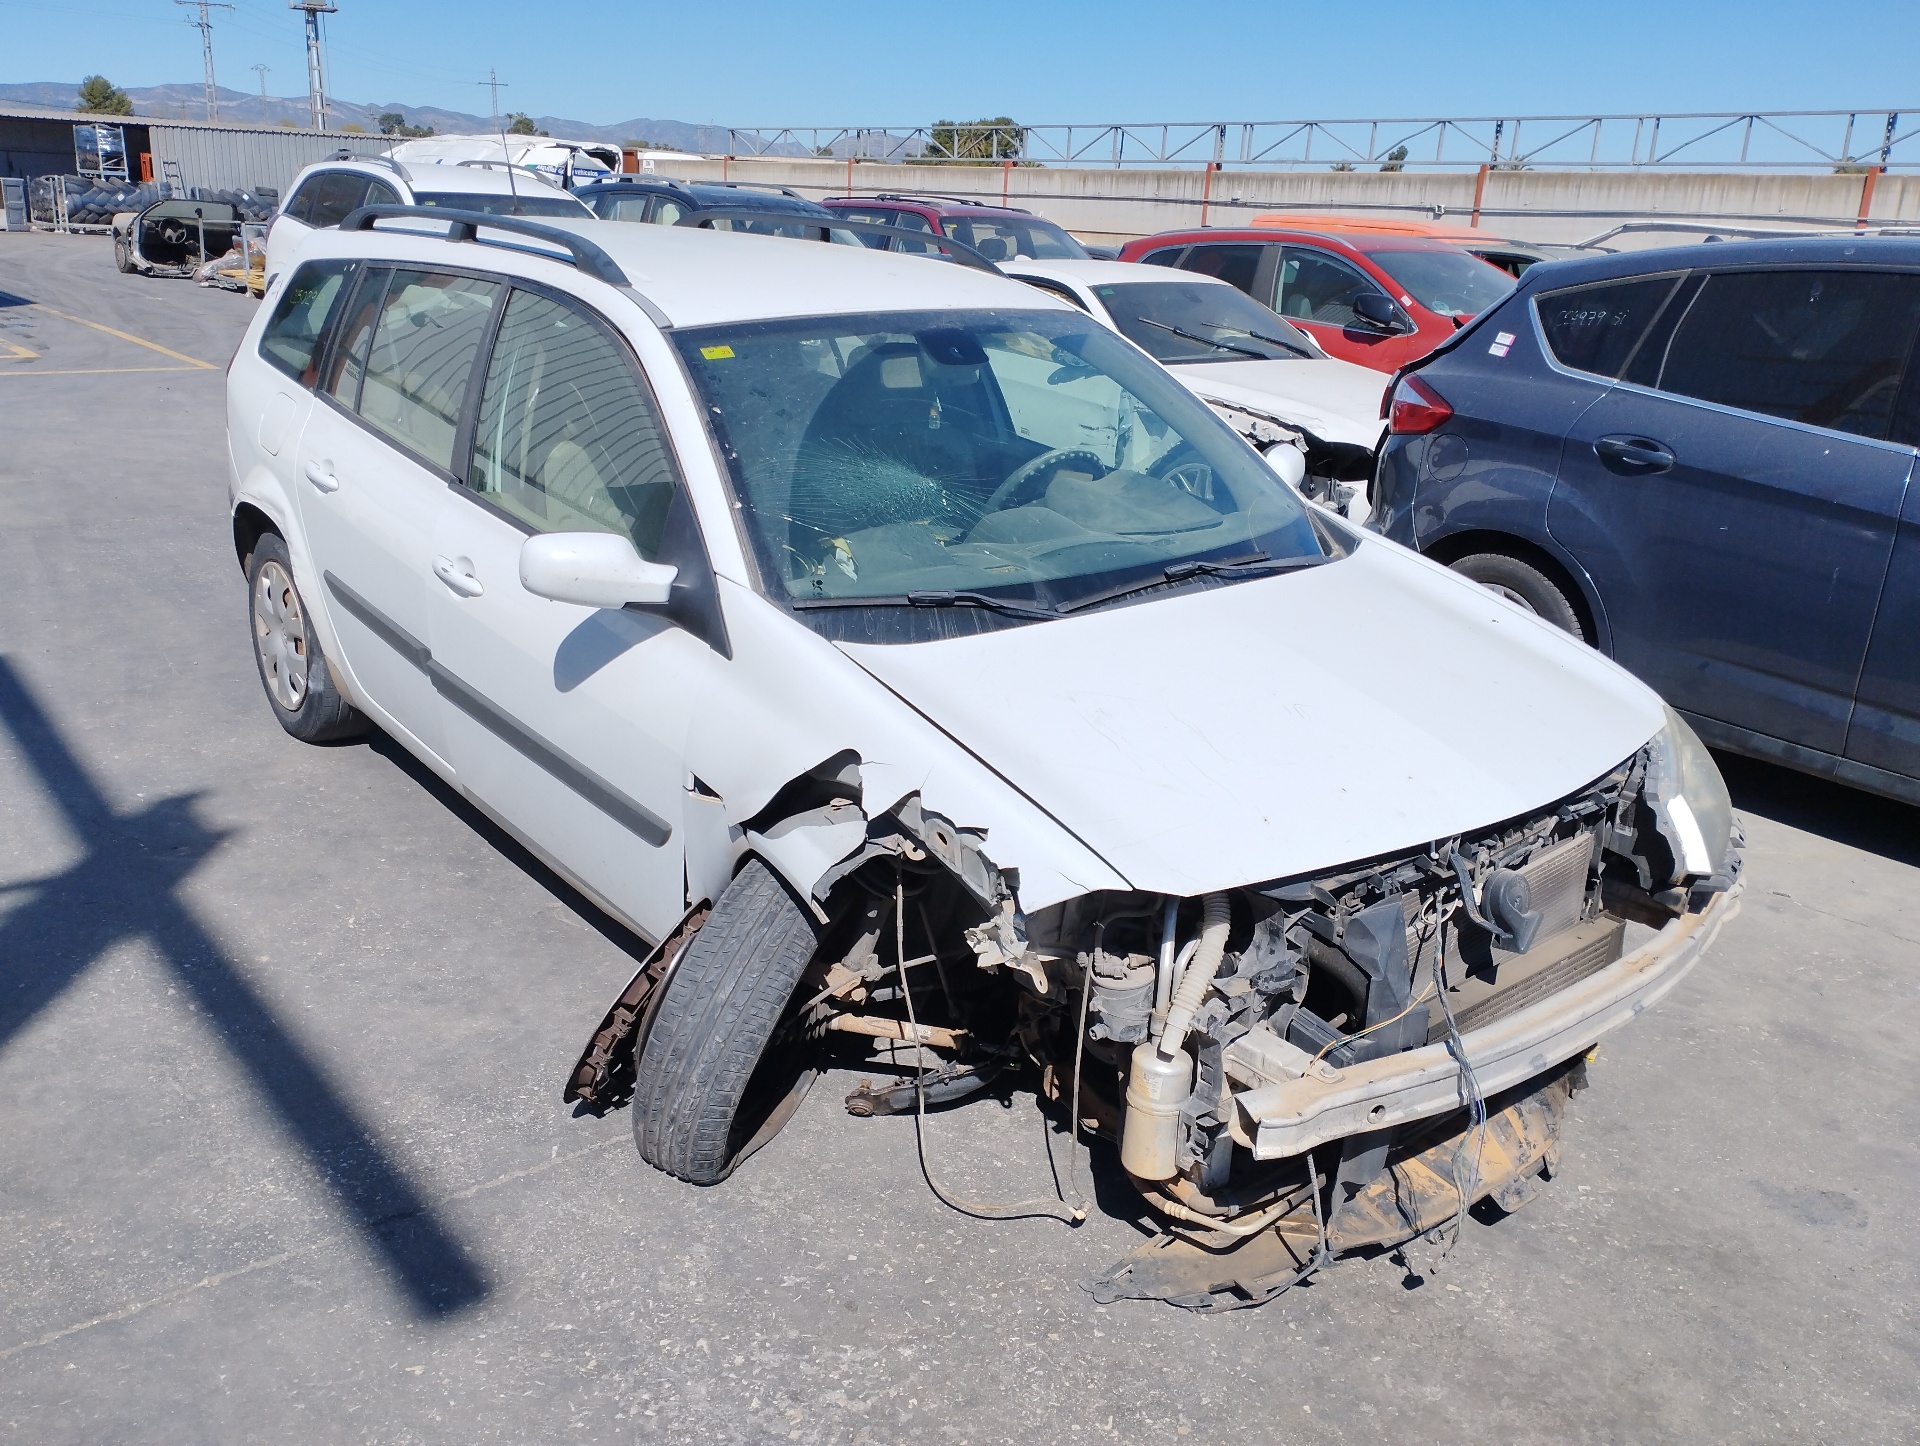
x: 250, y: 524
x: 1562, y: 570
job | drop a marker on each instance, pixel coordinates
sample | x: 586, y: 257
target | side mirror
x: 593, y: 569
x: 1372, y: 309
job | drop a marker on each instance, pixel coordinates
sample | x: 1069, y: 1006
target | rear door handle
x: 1633, y: 454
x: 320, y: 474
x: 449, y: 572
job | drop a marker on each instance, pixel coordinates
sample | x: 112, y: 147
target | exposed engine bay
x: 1177, y: 1029
x: 1334, y: 474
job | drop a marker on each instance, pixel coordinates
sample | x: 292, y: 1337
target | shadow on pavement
x: 1845, y: 815
x: 126, y: 886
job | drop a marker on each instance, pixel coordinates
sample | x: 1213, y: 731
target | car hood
x: 1335, y: 400
x: 1281, y: 726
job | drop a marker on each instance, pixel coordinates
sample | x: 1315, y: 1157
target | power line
x: 493, y: 82
x: 205, y: 26
x: 316, y: 65
x: 261, y: 70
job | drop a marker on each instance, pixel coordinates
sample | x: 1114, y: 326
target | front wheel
x: 123, y: 253
x: 707, y: 1089
x: 1523, y: 585
x: 293, y: 671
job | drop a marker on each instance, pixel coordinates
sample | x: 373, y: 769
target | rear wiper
x: 931, y: 598
x: 1255, y: 564
x: 1186, y: 335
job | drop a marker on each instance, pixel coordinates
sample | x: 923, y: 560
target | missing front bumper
x: 1278, y: 1120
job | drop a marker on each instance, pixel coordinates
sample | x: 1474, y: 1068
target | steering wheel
x: 1046, y: 462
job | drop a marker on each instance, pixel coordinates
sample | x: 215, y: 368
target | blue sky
x: 757, y: 62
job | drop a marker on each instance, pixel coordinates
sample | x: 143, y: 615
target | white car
x: 326, y: 193
x: 931, y: 676
x: 1315, y: 417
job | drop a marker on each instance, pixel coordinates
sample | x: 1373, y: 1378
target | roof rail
x: 463, y: 226
x: 972, y: 201
x: 755, y: 186
x: 343, y: 154
x: 962, y: 253
x: 1745, y: 233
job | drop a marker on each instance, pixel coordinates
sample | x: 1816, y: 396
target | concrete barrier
x: 1114, y: 205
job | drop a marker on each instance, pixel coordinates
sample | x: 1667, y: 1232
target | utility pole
x: 205, y: 26
x: 261, y: 71
x: 493, y: 82
x: 316, y: 71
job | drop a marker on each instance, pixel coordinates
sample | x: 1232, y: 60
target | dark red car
x: 998, y: 233
x: 1381, y: 301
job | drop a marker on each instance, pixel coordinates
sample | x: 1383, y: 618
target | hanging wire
x: 1466, y: 1173
x: 1023, y: 1210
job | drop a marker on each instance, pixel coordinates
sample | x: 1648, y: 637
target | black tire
x: 705, y: 1084
x: 286, y: 651
x: 1525, y: 585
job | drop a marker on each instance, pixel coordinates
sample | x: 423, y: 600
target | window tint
x: 1168, y: 257
x: 291, y: 342
x: 379, y: 193
x: 335, y: 194
x: 1826, y: 348
x: 421, y: 359
x: 300, y: 203
x: 1597, y: 328
x: 1313, y: 286
x: 567, y: 439
x: 1234, y: 265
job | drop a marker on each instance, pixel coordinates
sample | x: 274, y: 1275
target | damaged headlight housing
x: 1690, y: 802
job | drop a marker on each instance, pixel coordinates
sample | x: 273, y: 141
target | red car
x: 1379, y: 300
x: 999, y: 233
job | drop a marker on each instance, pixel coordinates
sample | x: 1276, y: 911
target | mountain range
x: 188, y: 102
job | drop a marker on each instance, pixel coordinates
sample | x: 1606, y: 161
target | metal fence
x: 236, y: 158
x: 1838, y: 140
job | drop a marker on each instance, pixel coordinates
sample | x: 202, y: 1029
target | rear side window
x: 1234, y: 265
x: 618, y: 206
x: 291, y: 342
x: 1826, y: 348
x: 300, y: 203
x: 567, y: 439
x: 1598, y: 328
x: 379, y: 193
x: 335, y: 193
x: 1168, y: 257
x: 424, y: 343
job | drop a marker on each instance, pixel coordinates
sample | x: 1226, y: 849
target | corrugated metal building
x: 35, y: 141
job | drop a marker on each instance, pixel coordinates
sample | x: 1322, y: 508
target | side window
x: 1826, y: 348
x: 349, y: 364
x: 300, y: 203
x: 334, y: 194
x: 379, y: 193
x: 1598, y: 328
x: 1234, y: 265
x: 623, y: 206
x: 421, y: 358
x: 291, y: 342
x: 667, y: 211
x: 1169, y: 256
x: 1314, y: 286
x: 568, y: 439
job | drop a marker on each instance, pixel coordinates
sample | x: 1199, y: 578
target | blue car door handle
x: 1636, y: 456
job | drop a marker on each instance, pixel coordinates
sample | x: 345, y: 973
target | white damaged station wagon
x: 943, y: 690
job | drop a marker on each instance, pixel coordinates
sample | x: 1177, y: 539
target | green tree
x: 100, y: 96
x: 1396, y: 159
x: 977, y: 143
x: 393, y: 123
x: 1341, y: 166
x: 520, y: 124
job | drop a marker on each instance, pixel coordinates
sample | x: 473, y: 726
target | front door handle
x: 320, y: 474
x: 462, y: 582
x: 1636, y: 455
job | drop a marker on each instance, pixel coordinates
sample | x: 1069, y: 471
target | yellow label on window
x: 716, y: 353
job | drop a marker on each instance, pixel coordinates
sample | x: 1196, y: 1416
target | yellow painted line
x: 126, y: 336
x: 102, y: 371
x: 19, y: 351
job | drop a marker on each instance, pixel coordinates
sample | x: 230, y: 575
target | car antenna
x: 507, y: 156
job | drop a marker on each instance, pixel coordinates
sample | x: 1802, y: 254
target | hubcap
x: 1517, y: 599
x: 280, y: 635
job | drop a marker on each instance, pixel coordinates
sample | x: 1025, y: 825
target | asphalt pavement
x: 283, y: 1031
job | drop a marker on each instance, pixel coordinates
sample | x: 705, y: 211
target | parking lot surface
x: 283, y: 1031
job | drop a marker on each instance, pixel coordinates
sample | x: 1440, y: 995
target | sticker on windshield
x: 716, y: 353
x: 1502, y: 344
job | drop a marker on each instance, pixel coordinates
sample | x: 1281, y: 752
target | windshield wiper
x: 931, y: 598
x: 1255, y: 564
x: 1186, y: 335
x: 1292, y: 346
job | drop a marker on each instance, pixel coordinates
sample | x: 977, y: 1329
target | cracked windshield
x: 1028, y: 455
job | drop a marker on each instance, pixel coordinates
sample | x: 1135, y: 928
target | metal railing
x: 1840, y: 140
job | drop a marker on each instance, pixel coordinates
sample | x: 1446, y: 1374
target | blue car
x: 1700, y: 459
